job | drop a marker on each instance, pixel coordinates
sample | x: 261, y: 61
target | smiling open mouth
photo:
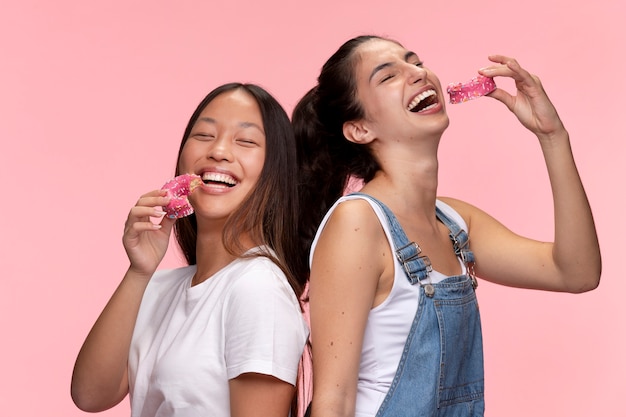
x: 423, y: 101
x: 217, y: 178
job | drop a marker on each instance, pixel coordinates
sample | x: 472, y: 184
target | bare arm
x: 345, y: 274
x: 572, y: 261
x: 100, y: 378
x: 253, y: 395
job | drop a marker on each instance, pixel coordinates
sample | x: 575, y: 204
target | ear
x: 358, y: 132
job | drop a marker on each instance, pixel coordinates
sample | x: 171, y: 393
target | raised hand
x: 531, y: 105
x: 146, y: 242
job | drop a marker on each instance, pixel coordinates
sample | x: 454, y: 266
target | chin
x: 447, y: 123
x: 441, y: 124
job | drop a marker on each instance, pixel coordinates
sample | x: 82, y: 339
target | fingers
x: 149, y: 205
x: 530, y: 103
x: 139, y: 218
x: 147, y: 232
x: 509, y: 67
x: 506, y: 66
x: 153, y: 199
x: 504, y: 97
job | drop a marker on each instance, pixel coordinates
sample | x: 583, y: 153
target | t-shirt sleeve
x: 264, y: 327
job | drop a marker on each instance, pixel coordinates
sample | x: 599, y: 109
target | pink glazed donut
x: 476, y: 87
x: 179, y: 188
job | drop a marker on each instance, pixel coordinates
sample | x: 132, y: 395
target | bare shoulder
x: 466, y: 210
x: 353, y: 230
x: 355, y: 213
x: 456, y: 204
x: 479, y: 223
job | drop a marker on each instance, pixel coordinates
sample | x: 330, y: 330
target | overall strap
x: 460, y: 241
x: 417, y: 267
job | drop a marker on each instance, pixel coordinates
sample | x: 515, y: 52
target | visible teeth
x: 421, y: 97
x: 427, y: 107
x: 218, y: 177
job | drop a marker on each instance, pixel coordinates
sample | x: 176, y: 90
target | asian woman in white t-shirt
x: 224, y: 335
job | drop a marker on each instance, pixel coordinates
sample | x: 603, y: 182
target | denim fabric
x: 440, y: 373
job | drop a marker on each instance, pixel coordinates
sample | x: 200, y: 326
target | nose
x: 221, y: 149
x: 415, y: 74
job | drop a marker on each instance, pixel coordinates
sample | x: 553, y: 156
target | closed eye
x: 247, y: 142
x: 386, y: 78
x: 203, y: 136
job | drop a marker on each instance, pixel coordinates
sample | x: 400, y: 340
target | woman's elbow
x: 83, y: 402
x: 90, y: 402
x: 589, y: 282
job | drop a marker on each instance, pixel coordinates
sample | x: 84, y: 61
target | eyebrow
x: 407, y: 56
x: 242, y: 125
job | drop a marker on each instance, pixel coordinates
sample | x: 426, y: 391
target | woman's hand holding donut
x: 531, y: 105
x: 146, y: 242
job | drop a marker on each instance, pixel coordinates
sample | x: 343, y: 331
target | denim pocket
x: 461, y: 362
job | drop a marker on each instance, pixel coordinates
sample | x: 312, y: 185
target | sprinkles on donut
x: 179, y: 188
x: 474, y: 88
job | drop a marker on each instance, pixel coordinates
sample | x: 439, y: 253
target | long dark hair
x: 326, y: 158
x: 269, y: 214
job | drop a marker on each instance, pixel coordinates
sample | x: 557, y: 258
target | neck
x: 211, y: 254
x: 407, y: 180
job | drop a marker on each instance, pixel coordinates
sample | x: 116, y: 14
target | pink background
x: 94, y: 97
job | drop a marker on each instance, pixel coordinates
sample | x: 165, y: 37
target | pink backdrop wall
x: 94, y: 98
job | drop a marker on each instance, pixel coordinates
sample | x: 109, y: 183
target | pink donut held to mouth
x: 178, y: 189
x: 476, y: 87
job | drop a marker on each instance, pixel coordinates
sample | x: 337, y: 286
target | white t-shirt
x: 189, y: 341
x: 388, y: 324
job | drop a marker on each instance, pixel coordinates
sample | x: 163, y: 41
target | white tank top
x: 388, y: 324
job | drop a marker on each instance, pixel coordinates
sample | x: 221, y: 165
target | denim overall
x: 441, y: 368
